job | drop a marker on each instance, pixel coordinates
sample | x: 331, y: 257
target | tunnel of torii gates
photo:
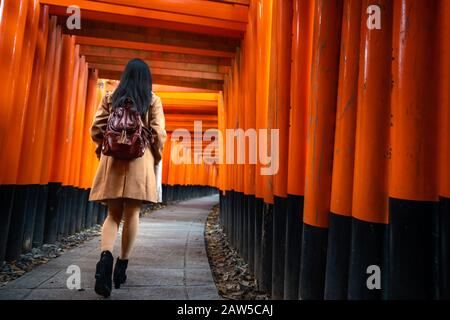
x: 359, y: 91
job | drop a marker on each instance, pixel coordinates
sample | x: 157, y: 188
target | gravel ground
x: 14, y: 269
x: 231, y: 274
x: 149, y: 208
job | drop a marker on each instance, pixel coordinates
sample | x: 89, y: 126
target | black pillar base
x: 267, y: 248
x: 367, y: 248
x: 294, y: 231
x: 236, y: 220
x: 231, y: 218
x: 41, y: 210
x: 279, y: 247
x: 313, y: 262
x: 244, y: 229
x: 17, y: 223
x: 338, y: 255
x: 251, y: 233
x: 6, y: 203
x: 259, y: 204
x: 411, y: 254
x: 444, y: 248
x: 30, y: 217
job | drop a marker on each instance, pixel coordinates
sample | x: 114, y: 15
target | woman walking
x: 124, y: 184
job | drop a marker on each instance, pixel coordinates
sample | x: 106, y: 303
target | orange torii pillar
x: 369, y: 208
x: 413, y: 183
x: 339, y: 234
x: 24, y: 209
x: 42, y: 145
x: 165, y: 162
x: 239, y: 167
x: 279, y: 100
x: 56, y: 194
x: 232, y: 168
x: 320, y: 143
x: 444, y: 172
x: 264, y: 191
x: 250, y: 124
x: 12, y: 29
x: 18, y: 44
x: 88, y: 151
x: 244, y: 167
x: 32, y: 122
x: 302, y: 30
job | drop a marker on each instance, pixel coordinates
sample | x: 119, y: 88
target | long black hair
x: 136, y: 85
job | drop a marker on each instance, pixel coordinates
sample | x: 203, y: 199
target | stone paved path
x: 169, y: 262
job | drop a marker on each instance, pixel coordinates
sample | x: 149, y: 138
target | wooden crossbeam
x: 108, y: 52
x: 171, y: 80
x: 170, y: 109
x: 159, y: 88
x: 242, y: 2
x: 161, y: 64
x: 191, y: 117
x: 188, y: 126
x: 216, y: 10
x: 102, y: 42
x: 164, y: 72
x: 188, y: 102
x: 100, y: 29
x: 99, y: 11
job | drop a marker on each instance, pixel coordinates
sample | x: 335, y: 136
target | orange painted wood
x: 199, y: 8
x: 102, y: 42
x: 166, y: 160
x: 145, y: 17
x: 179, y: 109
x: 163, y: 72
x: 280, y: 90
x: 43, y: 101
x: 26, y: 160
x: 20, y: 99
x: 322, y: 112
x: 373, y: 120
x: 11, y: 46
x: 88, y: 146
x: 61, y: 158
x: 51, y: 135
x: 161, y: 64
x: 68, y: 135
x: 344, y: 142
x: 77, y: 141
x: 263, y: 27
x: 250, y: 97
x: 444, y: 80
x: 118, y: 31
x: 191, y: 117
x: 222, y: 179
x: 33, y: 120
x: 171, y: 80
x: 303, y: 20
x: 158, y: 88
x: 240, y: 117
x: 99, y: 51
x: 414, y: 119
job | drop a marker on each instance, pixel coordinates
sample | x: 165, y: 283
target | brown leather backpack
x: 125, y: 138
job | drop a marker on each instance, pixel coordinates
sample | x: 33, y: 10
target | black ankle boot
x: 119, y: 272
x: 103, y: 274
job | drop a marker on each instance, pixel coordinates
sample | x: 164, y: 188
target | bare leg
x: 111, y: 224
x: 130, y: 226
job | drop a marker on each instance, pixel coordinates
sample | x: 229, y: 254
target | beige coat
x: 133, y: 179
